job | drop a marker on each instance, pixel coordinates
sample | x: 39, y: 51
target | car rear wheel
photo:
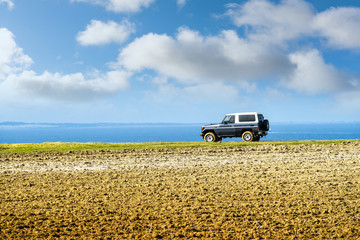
x: 209, y: 137
x: 247, y: 136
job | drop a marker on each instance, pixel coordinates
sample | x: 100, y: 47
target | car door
x: 226, y: 127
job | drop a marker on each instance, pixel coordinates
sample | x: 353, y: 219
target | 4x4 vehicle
x: 250, y: 126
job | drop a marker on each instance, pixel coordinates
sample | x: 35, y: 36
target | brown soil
x: 255, y: 192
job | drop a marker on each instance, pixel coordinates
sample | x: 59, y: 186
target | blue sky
x: 179, y: 60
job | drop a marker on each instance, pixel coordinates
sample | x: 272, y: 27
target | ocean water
x: 121, y: 133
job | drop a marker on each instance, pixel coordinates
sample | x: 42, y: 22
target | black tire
x: 210, y: 137
x: 266, y: 125
x: 247, y: 136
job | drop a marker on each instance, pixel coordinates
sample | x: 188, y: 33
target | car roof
x: 243, y: 113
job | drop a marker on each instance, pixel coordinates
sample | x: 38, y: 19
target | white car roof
x: 243, y: 113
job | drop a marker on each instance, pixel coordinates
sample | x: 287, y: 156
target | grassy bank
x: 57, y: 146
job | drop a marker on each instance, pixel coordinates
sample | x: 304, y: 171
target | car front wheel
x: 209, y: 137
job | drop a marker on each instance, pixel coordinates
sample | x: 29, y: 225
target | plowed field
x: 263, y: 191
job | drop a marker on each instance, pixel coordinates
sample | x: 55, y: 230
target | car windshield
x: 228, y: 119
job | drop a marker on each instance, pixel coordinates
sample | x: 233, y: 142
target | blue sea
x: 13, y: 132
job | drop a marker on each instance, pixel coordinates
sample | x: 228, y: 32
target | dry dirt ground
x: 247, y: 192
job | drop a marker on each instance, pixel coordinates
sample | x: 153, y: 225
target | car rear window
x: 260, y: 117
x: 247, y: 118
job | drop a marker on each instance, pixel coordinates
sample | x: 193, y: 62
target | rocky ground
x: 247, y: 192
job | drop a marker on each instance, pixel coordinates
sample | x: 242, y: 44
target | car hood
x: 212, y: 125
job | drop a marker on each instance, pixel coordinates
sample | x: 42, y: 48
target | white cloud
x: 17, y: 81
x: 99, y: 33
x: 313, y: 75
x: 69, y: 87
x: 12, y: 58
x: 341, y: 26
x: 120, y: 5
x: 10, y: 3
x: 273, y: 23
x: 190, y: 57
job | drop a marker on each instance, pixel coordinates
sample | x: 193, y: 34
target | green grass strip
x: 58, y: 146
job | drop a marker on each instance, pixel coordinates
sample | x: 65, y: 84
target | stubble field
x: 262, y: 191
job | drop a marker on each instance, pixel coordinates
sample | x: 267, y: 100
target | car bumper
x: 261, y: 133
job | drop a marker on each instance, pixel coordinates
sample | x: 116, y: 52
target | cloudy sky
x: 179, y: 60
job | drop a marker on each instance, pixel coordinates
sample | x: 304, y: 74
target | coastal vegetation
x: 64, y: 146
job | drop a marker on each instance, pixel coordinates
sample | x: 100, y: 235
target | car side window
x: 247, y: 118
